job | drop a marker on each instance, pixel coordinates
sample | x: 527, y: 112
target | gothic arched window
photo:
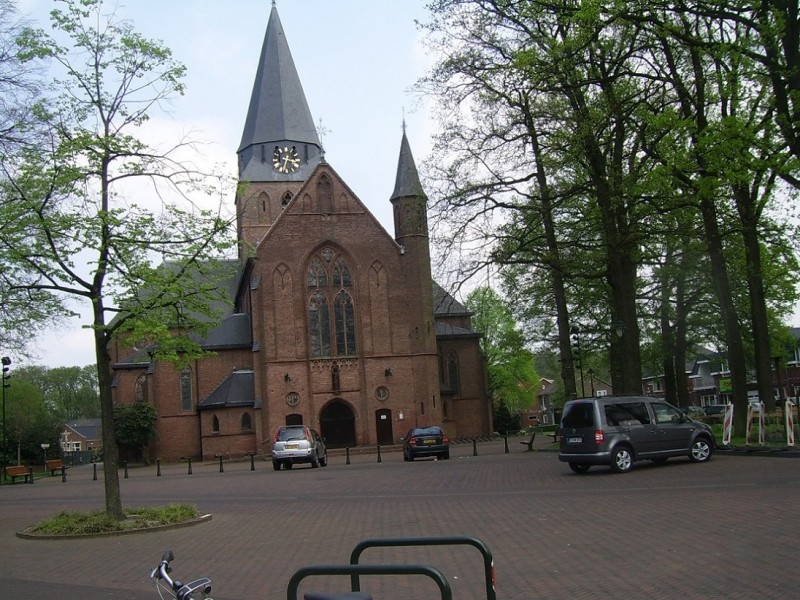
x: 141, y: 388
x: 452, y: 372
x: 331, y: 282
x: 186, y: 390
x: 215, y: 424
x: 247, y: 422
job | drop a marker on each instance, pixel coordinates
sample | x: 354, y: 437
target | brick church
x: 334, y: 323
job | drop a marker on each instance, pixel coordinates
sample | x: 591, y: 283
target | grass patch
x: 75, y: 523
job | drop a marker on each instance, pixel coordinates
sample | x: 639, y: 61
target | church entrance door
x: 338, y: 425
x: 383, y: 427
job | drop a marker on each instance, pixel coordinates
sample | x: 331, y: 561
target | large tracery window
x: 330, y: 281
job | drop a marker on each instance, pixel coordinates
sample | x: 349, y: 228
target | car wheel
x: 315, y: 461
x: 324, y: 461
x: 276, y: 465
x: 621, y: 459
x: 446, y: 455
x: 578, y: 467
x: 410, y: 457
x: 700, y: 451
x: 288, y: 466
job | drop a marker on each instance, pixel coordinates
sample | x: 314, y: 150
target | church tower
x: 410, y: 209
x: 280, y: 146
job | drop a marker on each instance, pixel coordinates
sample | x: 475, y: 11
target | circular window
x: 293, y: 399
x: 382, y: 393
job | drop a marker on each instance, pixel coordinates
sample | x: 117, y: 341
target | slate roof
x: 407, y: 182
x: 278, y: 112
x: 90, y: 429
x: 237, y: 389
x: 444, y: 304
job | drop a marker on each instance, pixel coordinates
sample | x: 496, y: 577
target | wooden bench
x: 529, y: 443
x: 19, y: 471
x: 54, y: 465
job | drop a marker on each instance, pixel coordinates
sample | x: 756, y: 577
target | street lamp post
x: 6, y: 361
x: 576, y: 336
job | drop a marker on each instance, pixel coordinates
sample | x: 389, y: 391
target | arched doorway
x: 338, y: 425
x: 383, y: 426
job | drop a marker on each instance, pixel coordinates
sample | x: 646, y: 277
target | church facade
x: 334, y: 323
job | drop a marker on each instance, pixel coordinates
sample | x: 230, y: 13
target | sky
x: 356, y: 59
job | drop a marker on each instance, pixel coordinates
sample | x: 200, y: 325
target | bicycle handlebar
x: 181, y: 590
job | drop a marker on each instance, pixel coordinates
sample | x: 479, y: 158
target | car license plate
x: 429, y: 442
x: 292, y: 446
x: 574, y: 440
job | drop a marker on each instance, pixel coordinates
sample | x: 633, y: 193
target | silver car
x: 617, y: 431
x: 295, y: 444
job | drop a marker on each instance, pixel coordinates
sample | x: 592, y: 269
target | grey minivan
x: 619, y: 430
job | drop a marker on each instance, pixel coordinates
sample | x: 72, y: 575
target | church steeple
x: 278, y: 117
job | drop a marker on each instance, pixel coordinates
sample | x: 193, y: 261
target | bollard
x: 158, y: 467
x: 474, y: 447
x: 30, y: 473
x: 94, y: 475
x: 190, y: 465
x: 126, y: 469
x: 505, y: 440
x: 347, y: 454
x: 252, y: 462
x: 63, y: 474
x: 379, y: 453
x: 221, y: 469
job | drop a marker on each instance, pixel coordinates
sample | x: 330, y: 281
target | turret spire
x: 407, y: 182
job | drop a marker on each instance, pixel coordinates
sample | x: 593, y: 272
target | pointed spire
x: 407, y: 182
x: 278, y: 108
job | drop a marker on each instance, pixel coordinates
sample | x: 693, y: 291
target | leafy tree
x: 589, y: 147
x: 134, y: 424
x: 28, y: 424
x: 69, y: 392
x: 24, y: 315
x: 512, y: 378
x: 67, y: 202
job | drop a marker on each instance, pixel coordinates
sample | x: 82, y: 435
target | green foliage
x: 72, y: 229
x: 75, y: 523
x: 504, y: 421
x: 28, y: 424
x: 513, y: 381
x: 68, y: 392
x: 134, y: 424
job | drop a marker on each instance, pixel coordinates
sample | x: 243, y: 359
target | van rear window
x: 578, y: 415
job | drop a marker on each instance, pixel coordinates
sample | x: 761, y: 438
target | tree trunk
x: 730, y: 320
x: 755, y: 288
x: 110, y: 449
x: 554, y: 267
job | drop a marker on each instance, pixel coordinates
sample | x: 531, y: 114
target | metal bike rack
x: 488, y: 561
x: 356, y: 570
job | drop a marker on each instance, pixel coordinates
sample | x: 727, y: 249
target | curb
x: 28, y: 534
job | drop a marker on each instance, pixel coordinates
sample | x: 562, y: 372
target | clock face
x: 286, y: 159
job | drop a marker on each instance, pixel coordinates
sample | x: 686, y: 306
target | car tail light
x: 599, y: 436
x: 307, y: 433
x: 277, y: 435
x: 412, y: 441
x: 445, y: 439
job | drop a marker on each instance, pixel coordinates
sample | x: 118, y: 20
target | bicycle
x: 174, y: 588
